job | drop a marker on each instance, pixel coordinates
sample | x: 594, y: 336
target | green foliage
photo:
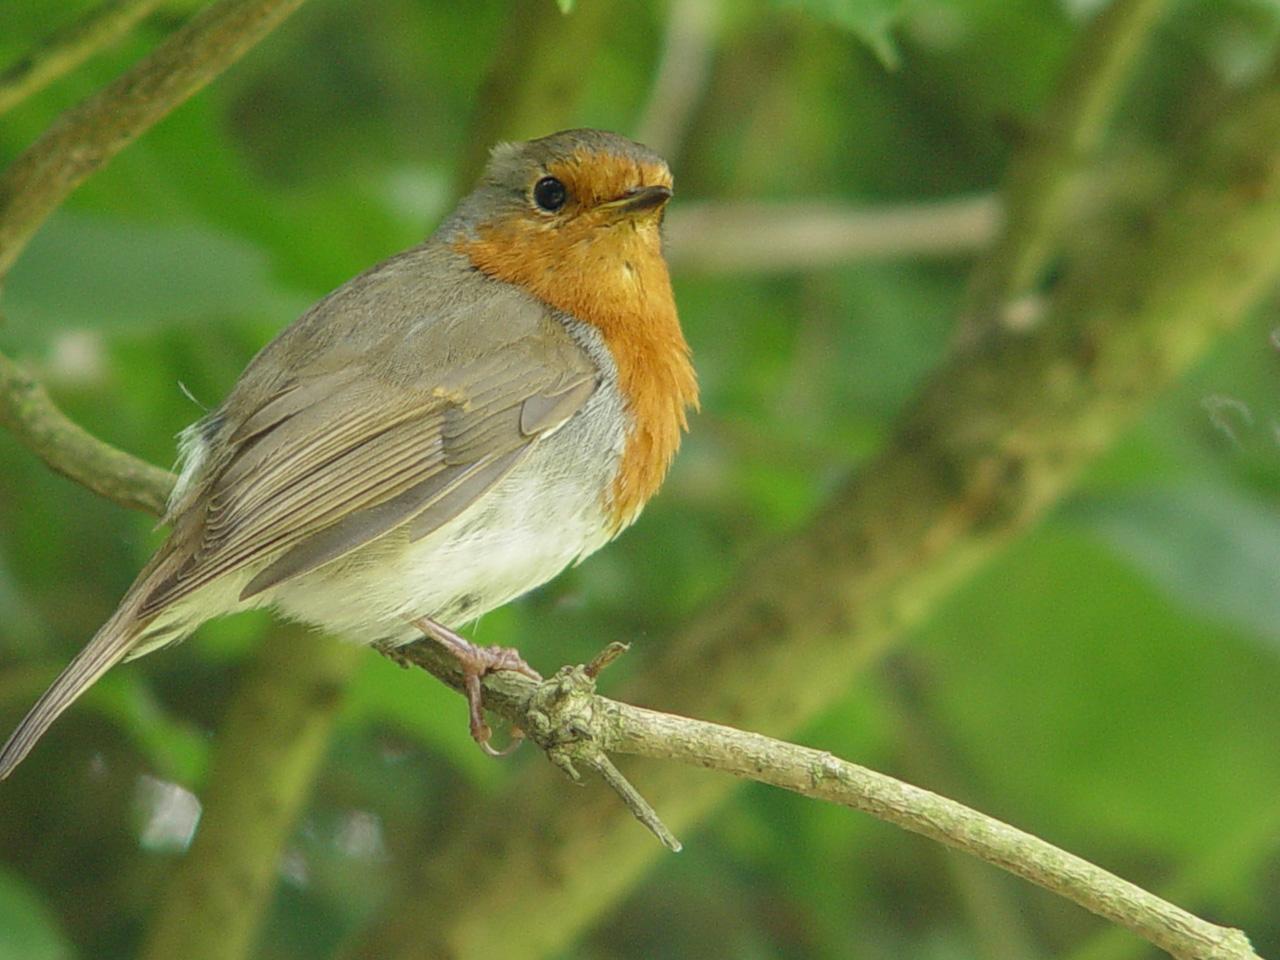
x: 1110, y: 684
x: 1212, y: 548
x: 869, y: 20
x: 28, y: 928
x: 208, y: 272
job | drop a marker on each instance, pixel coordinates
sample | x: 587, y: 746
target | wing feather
x: 329, y: 463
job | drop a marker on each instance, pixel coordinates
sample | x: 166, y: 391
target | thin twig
x: 560, y: 716
x: 578, y: 715
x: 780, y: 237
x: 69, y: 47
x: 84, y: 138
x: 1040, y: 181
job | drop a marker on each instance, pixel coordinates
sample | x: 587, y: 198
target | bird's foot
x: 477, y: 662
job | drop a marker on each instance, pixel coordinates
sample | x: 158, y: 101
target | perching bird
x: 444, y: 432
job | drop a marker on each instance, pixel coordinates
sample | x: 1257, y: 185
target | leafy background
x: 1111, y: 683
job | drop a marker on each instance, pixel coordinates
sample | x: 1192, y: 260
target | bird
x: 442, y: 433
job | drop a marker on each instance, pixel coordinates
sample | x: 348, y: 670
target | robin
x: 437, y: 436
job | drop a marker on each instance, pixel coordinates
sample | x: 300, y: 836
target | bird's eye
x: 549, y: 194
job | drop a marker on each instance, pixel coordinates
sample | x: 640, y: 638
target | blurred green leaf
x: 1109, y: 697
x: 871, y: 21
x: 109, y: 274
x: 1213, y: 549
x: 28, y: 928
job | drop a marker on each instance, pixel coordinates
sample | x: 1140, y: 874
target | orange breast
x: 615, y: 279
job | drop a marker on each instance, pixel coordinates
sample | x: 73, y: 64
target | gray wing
x: 333, y: 461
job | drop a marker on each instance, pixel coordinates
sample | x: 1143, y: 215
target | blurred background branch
x: 68, y: 47
x: 273, y: 740
x: 89, y: 135
x: 784, y: 238
x: 28, y: 413
x: 530, y: 86
x: 682, y: 74
x: 1040, y: 182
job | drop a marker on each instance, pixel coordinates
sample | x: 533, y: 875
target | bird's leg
x: 476, y: 662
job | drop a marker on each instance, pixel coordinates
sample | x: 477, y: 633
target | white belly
x: 519, y: 536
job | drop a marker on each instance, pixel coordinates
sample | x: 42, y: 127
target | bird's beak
x: 639, y: 200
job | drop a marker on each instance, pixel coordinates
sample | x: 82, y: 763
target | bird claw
x: 476, y: 663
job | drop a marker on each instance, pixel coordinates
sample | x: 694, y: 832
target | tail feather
x: 123, y: 636
x: 108, y: 647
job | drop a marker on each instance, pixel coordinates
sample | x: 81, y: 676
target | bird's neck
x: 616, y: 281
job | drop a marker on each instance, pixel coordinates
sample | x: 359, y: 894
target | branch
x: 681, y: 76
x: 69, y: 47
x: 531, y: 87
x: 999, y: 434
x: 84, y: 138
x: 565, y: 711
x: 29, y: 414
x: 778, y: 237
x: 1039, y: 185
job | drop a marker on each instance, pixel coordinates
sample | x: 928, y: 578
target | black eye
x: 549, y: 194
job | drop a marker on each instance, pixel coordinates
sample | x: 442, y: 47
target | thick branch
x: 87, y: 136
x: 777, y: 237
x: 1039, y: 184
x: 997, y: 437
x: 69, y: 47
